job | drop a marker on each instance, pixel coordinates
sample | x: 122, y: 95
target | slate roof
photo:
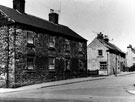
x: 39, y: 23
x: 111, y: 46
x: 133, y: 50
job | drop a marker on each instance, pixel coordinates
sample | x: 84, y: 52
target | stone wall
x: 3, y: 52
x: 20, y: 50
x: 117, y: 62
x: 7, y: 54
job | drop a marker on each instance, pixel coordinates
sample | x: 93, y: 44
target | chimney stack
x: 100, y: 35
x: 129, y: 46
x: 53, y: 16
x: 106, y: 38
x: 19, y: 5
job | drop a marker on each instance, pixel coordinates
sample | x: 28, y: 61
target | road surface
x: 110, y: 89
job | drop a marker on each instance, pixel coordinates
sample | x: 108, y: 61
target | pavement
x: 64, y: 82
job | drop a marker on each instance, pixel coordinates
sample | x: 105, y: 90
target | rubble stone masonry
x: 69, y: 63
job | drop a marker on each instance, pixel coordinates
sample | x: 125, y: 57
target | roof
x: 133, y: 50
x: 111, y: 46
x: 39, y: 23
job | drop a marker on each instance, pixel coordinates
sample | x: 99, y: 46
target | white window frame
x: 67, y: 44
x: 52, y: 64
x: 30, y: 38
x: 52, y: 41
x: 103, y: 65
x: 32, y: 63
x: 100, y: 52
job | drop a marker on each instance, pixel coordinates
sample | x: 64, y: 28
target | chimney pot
x: 106, y: 38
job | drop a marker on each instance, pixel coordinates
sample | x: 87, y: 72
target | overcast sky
x: 115, y: 18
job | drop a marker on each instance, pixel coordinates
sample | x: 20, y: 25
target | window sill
x: 100, y: 56
x: 103, y: 70
x: 29, y: 71
x: 30, y: 45
x: 81, y: 52
x: 67, y: 50
x: 51, y: 70
x: 31, y: 54
x: 51, y: 48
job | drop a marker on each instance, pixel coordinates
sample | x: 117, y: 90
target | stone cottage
x: 130, y: 56
x: 105, y: 56
x: 34, y: 50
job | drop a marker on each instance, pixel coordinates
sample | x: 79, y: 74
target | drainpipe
x: 116, y: 65
x: 107, y: 61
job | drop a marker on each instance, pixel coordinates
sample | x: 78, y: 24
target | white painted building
x: 130, y: 56
x: 104, y: 56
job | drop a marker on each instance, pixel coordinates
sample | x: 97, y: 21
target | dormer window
x: 52, y: 42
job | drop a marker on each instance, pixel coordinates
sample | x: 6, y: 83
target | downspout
x: 116, y: 64
x: 86, y: 56
x: 107, y: 62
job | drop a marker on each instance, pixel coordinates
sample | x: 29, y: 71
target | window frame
x: 81, y: 64
x: 133, y: 58
x: 67, y: 64
x: 67, y: 45
x: 52, y: 41
x: 31, y: 37
x: 100, y: 52
x: 51, y: 64
x: 103, y: 65
x: 80, y: 46
x: 32, y: 58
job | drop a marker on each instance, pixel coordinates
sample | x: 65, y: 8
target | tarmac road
x: 111, y: 89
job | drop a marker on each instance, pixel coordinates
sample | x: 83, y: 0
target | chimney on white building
x: 100, y: 35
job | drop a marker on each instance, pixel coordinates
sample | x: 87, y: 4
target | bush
x: 132, y: 68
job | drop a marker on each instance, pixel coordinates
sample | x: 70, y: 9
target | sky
x: 115, y: 18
